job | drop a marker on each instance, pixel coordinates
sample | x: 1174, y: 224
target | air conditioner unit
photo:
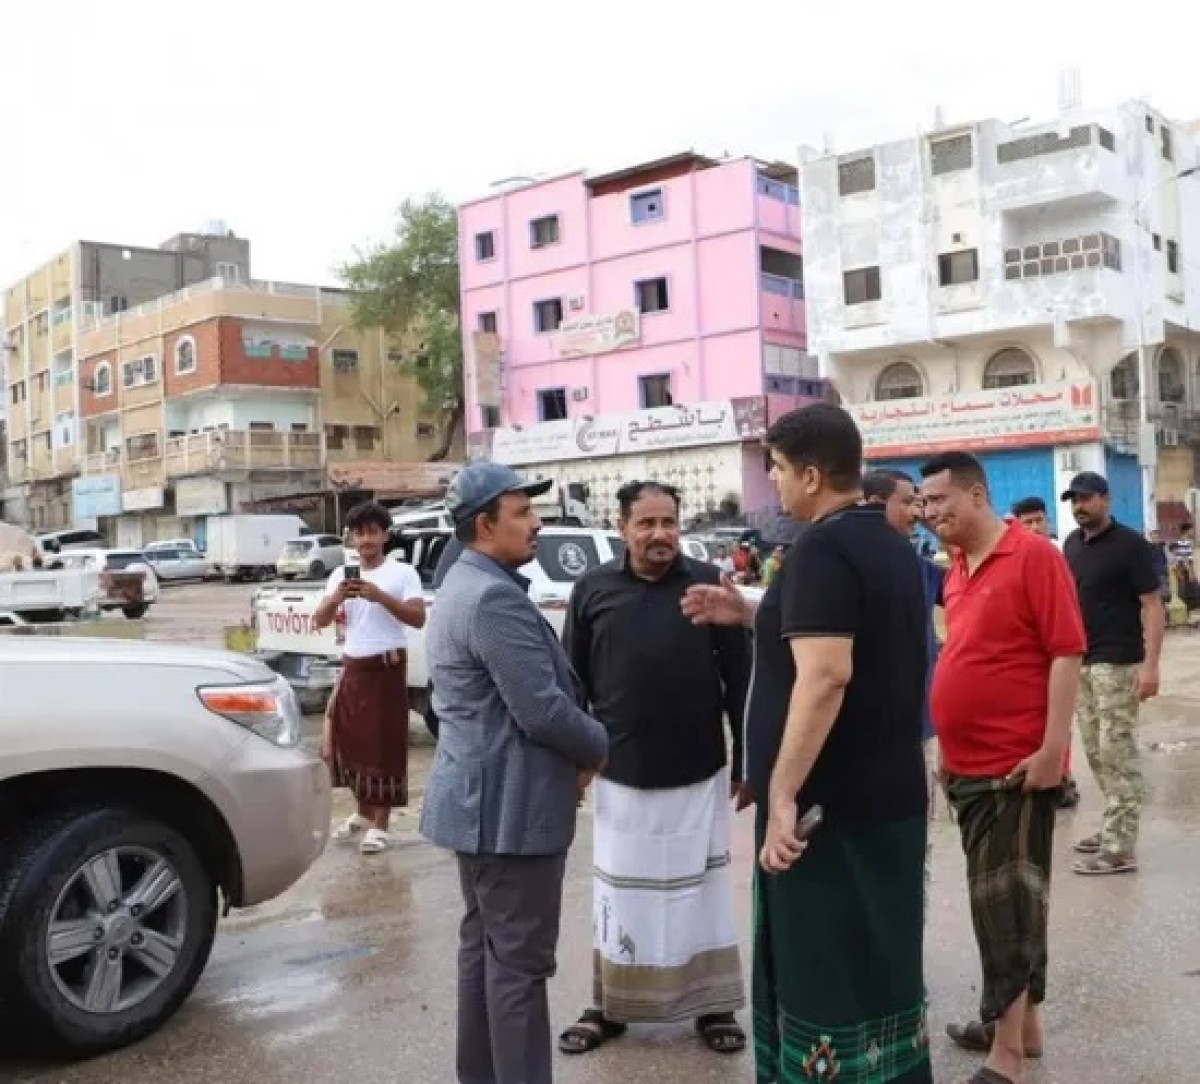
x: 579, y: 395
x: 576, y: 302
x: 1070, y: 461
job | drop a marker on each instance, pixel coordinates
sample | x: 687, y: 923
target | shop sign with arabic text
x: 1018, y: 417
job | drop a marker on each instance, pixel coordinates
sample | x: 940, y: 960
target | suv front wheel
x: 107, y: 919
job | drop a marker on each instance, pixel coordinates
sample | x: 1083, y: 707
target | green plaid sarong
x: 839, y: 991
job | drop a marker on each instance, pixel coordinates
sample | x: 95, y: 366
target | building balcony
x: 242, y: 450
x: 778, y: 208
x: 781, y: 303
x: 101, y: 462
x: 1080, y: 168
x: 1079, y: 278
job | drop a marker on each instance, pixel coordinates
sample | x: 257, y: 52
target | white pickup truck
x: 281, y: 615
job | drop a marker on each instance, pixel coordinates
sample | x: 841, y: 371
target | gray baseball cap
x: 479, y: 483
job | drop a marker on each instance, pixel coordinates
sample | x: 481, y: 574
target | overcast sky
x: 302, y: 124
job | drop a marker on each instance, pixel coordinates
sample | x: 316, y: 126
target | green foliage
x: 409, y: 287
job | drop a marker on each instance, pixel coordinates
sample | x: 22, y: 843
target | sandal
x: 374, y: 842
x: 350, y: 827
x: 722, y: 1033
x: 1106, y: 862
x: 977, y: 1037
x: 1088, y: 845
x: 984, y: 1075
x: 590, y: 1031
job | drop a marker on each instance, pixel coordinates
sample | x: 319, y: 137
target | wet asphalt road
x: 350, y: 976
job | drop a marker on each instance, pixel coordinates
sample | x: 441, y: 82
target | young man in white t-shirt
x: 365, y: 738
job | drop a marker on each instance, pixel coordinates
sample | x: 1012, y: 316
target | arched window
x: 1123, y: 380
x: 102, y: 380
x: 900, y: 380
x: 1009, y: 368
x: 1170, y: 376
x: 185, y: 355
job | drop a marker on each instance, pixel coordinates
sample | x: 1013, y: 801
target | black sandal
x: 722, y: 1033
x: 977, y: 1037
x: 590, y: 1031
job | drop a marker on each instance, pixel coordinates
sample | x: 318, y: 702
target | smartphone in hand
x: 352, y: 572
x: 809, y: 823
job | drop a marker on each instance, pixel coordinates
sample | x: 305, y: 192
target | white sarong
x: 664, y: 935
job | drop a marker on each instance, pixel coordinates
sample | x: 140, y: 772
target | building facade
x: 642, y: 323
x: 233, y: 397
x: 1024, y: 292
x: 43, y: 317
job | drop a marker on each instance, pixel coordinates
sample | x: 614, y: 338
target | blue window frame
x: 647, y: 206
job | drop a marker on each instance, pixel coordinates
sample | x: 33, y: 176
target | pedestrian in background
x: 772, y: 565
x: 1123, y: 612
x: 514, y: 750
x: 666, y: 942
x: 834, y: 720
x: 897, y: 493
x: 365, y: 737
x: 1003, y: 696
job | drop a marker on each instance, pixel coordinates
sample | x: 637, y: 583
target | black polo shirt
x: 661, y: 685
x: 855, y: 576
x: 1112, y: 570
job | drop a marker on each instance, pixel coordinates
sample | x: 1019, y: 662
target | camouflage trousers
x: 1107, y: 714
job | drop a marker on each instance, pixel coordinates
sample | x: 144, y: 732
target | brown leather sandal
x: 977, y: 1037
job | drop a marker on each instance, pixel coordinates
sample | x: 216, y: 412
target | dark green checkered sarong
x: 839, y: 991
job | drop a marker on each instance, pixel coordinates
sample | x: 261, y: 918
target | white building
x: 999, y: 288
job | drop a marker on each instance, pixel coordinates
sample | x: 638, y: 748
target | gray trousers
x: 506, y: 953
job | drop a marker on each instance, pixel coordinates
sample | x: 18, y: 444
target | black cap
x: 478, y: 484
x: 1086, y: 484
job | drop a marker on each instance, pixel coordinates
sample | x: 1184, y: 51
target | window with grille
x: 548, y: 314
x: 366, y: 437
x: 140, y: 371
x: 952, y: 154
x: 345, y: 361
x: 1170, y: 377
x: 956, y: 268
x: 1046, y: 143
x: 655, y: 391
x: 1010, y: 368
x: 552, y: 404
x: 142, y: 446
x: 900, y: 380
x: 1040, y: 258
x: 856, y: 175
x: 1123, y: 380
x: 862, y: 285
x: 335, y: 437
x: 651, y: 295
x: 543, y: 231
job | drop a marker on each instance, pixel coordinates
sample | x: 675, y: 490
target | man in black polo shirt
x: 1124, y: 617
x: 834, y: 721
x: 665, y: 938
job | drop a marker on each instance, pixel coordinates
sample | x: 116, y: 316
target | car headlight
x: 270, y: 710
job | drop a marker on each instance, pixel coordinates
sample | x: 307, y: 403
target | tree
x: 409, y: 287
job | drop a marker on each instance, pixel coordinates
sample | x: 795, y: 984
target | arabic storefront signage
x: 724, y: 421
x: 93, y: 496
x: 1017, y: 417
x: 201, y: 497
x: 589, y: 335
x: 142, y: 500
x: 392, y: 479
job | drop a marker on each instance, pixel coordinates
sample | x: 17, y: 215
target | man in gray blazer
x: 513, y: 747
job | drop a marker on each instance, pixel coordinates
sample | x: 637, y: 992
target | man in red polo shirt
x: 1002, y: 701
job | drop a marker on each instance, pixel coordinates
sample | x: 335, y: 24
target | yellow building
x: 145, y: 392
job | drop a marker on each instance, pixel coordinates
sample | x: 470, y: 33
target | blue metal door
x: 1125, y: 486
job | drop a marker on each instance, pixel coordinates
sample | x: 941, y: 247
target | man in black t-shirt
x: 834, y: 720
x: 1124, y: 617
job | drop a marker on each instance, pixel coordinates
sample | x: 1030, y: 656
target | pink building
x: 645, y: 322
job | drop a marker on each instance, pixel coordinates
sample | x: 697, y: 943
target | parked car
x: 79, y: 538
x: 312, y: 557
x: 156, y: 783
x: 174, y: 563
x: 127, y: 580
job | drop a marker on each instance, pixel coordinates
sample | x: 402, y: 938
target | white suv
x: 152, y: 782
